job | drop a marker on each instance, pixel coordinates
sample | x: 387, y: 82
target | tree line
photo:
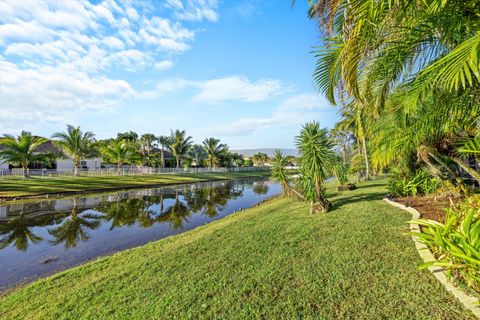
x: 127, y: 148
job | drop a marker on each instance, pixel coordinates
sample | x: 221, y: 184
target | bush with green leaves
x: 455, y: 243
x: 421, y: 183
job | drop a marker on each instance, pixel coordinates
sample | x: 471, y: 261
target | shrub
x: 456, y: 243
x: 419, y: 184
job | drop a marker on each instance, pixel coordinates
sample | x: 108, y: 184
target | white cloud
x: 293, y: 111
x: 237, y: 88
x: 234, y: 88
x: 50, y: 94
x: 54, y: 55
x: 194, y: 10
x: 164, y: 65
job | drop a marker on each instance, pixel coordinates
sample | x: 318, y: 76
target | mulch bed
x: 430, y: 207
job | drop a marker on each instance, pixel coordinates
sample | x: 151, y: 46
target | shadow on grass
x: 372, y: 185
x: 338, y: 203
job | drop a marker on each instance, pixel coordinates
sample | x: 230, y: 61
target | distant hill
x: 268, y: 151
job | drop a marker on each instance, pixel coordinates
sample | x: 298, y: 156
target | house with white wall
x: 59, y: 164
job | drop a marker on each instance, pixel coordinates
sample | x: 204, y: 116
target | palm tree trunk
x: 365, y: 154
x: 178, y: 163
x: 466, y: 167
x: 25, y: 171
x: 446, y: 167
x: 162, y: 158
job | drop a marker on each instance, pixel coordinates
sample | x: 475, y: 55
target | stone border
x: 470, y: 302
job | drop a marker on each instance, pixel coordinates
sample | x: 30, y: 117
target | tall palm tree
x: 120, y: 153
x: 164, y: 142
x: 316, y: 161
x: 20, y: 150
x: 148, y: 142
x: 76, y: 144
x: 179, y: 145
x: 214, y: 150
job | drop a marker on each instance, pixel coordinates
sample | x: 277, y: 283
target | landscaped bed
x: 273, y: 261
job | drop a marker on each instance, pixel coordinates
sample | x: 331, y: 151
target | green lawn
x: 53, y: 185
x: 274, y: 261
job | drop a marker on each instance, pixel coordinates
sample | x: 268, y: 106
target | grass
x: 34, y: 186
x: 274, y: 261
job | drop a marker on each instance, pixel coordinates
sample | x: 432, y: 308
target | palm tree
x: 198, y: 154
x: 120, y: 153
x: 214, y: 150
x: 260, y: 158
x: 279, y: 172
x: 164, y: 142
x: 316, y: 160
x: 75, y: 144
x: 148, y: 142
x: 20, y: 150
x: 179, y: 145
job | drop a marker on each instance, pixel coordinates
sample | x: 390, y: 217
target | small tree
x: 20, y: 150
x: 316, y: 161
x: 279, y: 172
x: 75, y: 144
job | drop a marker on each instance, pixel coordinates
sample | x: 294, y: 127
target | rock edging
x: 470, y: 302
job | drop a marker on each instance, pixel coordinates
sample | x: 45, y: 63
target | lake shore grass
x: 42, y: 186
x: 272, y: 261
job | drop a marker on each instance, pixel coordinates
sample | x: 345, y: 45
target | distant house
x: 59, y: 164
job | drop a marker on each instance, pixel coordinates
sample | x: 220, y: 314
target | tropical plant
x: 121, y: 153
x: 214, y: 150
x: 129, y: 136
x: 179, y: 145
x: 279, y: 173
x: 340, y: 171
x: 75, y: 144
x: 21, y: 150
x: 197, y: 154
x: 316, y: 161
x: 421, y: 183
x: 164, y: 142
x: 148, y: 142
x: 260, y: 158
x: 455, y: 243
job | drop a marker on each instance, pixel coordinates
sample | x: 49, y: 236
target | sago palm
x: 21, y: 150
x: 75, y: 144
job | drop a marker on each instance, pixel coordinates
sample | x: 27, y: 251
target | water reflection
x: 42, y: 237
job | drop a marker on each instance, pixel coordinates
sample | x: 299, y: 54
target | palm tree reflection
x: 17, y: 231
x: 73, y: 228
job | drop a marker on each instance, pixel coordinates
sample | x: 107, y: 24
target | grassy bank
x: 273, y: 261
x: 54, y: 185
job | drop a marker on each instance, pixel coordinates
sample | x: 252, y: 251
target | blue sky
x: 237, y: 70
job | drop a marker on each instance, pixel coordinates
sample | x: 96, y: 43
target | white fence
x: 126, y: 171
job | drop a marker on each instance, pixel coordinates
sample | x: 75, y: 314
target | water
x: 42, y: 237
